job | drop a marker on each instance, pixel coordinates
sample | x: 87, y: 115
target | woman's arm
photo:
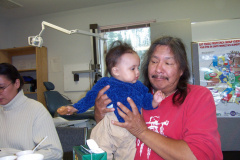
x: 8, y: 151
x: 101, y: 103
x: 44, y: 126
x: 165, y: 147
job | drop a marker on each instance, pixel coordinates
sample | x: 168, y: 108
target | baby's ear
x: 115, y: 71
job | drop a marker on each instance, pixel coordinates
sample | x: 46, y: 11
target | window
x: 137, y: 34
x: 138, y: 38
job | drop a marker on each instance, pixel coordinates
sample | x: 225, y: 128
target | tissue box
x: 80, y: 154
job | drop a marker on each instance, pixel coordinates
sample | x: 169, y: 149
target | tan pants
x: 116, y: 141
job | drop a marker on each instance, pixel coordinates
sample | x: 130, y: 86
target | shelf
x: 27, y: 70
x: 83, y: 71
x: 34, y: 63
x: 30, y: 92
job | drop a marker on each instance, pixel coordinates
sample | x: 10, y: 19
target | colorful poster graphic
x: 219, y: 64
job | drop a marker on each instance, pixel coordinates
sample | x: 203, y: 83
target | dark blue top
x: 118, y: 92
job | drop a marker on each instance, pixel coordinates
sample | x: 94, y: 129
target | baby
x: 122, y: 64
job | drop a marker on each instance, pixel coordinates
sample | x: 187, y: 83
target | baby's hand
x: 65, y: 110
x: 157, y: 98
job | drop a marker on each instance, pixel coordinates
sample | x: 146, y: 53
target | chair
x: 229, y: 131
x: 70, y: 137
x: 54, y: 100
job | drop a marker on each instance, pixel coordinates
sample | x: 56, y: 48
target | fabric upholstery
x: 54, y: 100
x: 69, y: 137
x: 49, y: 86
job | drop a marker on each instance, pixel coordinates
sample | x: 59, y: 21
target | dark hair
x: 11, y: 73
x: 116, y: 50
x: 177, y: 47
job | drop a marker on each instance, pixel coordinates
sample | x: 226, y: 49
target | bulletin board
x: 217, y: 67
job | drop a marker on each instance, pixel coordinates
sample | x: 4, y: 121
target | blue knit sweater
x: 118, y: 92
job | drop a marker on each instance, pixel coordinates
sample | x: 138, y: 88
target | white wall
x: 216, y: 30
x: 77, y: 49
x: 4, y: 38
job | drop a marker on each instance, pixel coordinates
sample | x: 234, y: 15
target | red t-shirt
x: 194, y: 122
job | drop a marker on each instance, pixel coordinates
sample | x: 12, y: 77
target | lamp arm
x: 76, y: 31
x: 54, y: 27
x: 38, y: 41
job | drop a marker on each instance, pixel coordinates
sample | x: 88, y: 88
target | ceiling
x: 13, y: 9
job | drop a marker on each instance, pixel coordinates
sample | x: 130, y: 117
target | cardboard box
x: 80, y: 154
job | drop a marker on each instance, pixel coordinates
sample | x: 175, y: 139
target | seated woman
x: 24, y: 121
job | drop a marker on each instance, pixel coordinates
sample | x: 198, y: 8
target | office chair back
x: 54, y: 99
x: 70, y: 137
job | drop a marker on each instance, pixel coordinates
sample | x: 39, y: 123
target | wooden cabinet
x: 33, y: 60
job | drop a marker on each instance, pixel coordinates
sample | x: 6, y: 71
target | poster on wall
x: 219, y: 71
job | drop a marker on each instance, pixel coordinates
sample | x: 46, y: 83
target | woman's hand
x: 134, y: 122
x: 101, y: 103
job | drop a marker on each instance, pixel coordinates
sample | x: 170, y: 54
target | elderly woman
x: 184, y: 126
x: 24, y: 122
